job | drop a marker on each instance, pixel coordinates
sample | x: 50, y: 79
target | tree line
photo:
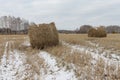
x: 108, y: 29
x: 13, y: 25
x: 85, y: 28
x: 9, y: 31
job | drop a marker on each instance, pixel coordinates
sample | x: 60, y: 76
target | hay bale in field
x: 43, y: 35
x: 55, y: 33
x: 92, y: 32
x: 99, y: 32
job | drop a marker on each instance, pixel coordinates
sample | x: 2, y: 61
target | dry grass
x: 82, y: 61
x: 65, y: 55
x: 18, y: 39
x: 58, y: 50
x: 74, y: 38
x: 32, y: 57
x: 84, y: 69
x: 111, y: 41
x: 78, y: 59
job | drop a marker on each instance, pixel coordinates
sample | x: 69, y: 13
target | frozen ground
x: 98, y: 52
x: 53, y: 71
x: 14, y: 66
x: 104, y: 64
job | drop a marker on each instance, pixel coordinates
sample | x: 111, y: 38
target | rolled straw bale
x: 43, y: 35
x: 99, y: 32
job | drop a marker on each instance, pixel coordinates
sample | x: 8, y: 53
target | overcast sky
x: 67, y: 14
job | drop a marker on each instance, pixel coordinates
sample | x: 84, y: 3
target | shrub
x: 99, y: 32
x: 43, y: 35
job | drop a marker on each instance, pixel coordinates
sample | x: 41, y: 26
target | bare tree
x: 85, y: 28
x: 10, y: 25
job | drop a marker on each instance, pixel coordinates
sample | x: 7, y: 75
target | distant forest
x: 85, y: 28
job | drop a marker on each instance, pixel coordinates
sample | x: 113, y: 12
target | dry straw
x: 99, y: 32
x: 43, y: 35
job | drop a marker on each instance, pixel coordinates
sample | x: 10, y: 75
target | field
x: 77, y: 57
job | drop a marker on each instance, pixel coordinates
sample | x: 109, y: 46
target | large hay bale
x: 99, y: 32
x: 43, y: 35
x: 54, y: 32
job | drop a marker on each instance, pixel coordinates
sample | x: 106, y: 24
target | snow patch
x: 96, y: 54
x: 14, y: 66
x: 53, y: 71
x: 26, y: 43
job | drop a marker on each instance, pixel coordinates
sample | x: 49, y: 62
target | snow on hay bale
x: 99, y: 32
x: 43, y: 35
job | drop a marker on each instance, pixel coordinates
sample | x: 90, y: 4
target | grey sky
x: 67, y: 14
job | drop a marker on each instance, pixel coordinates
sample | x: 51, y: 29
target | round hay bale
x: 99, y: 32
x: 54, y: 33
x: 43, y: 35
x: 92, y: 32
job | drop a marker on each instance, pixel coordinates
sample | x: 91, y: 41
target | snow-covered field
x: 53, y: 71
x: 97, y: 53
x: 110, y: 62
x: 14, y: 64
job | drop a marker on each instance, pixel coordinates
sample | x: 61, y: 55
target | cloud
x: 67, y: 14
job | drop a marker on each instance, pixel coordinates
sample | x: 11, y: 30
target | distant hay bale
x: 99, y: 32
x: 92, y: 32
x: 43, y: 35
